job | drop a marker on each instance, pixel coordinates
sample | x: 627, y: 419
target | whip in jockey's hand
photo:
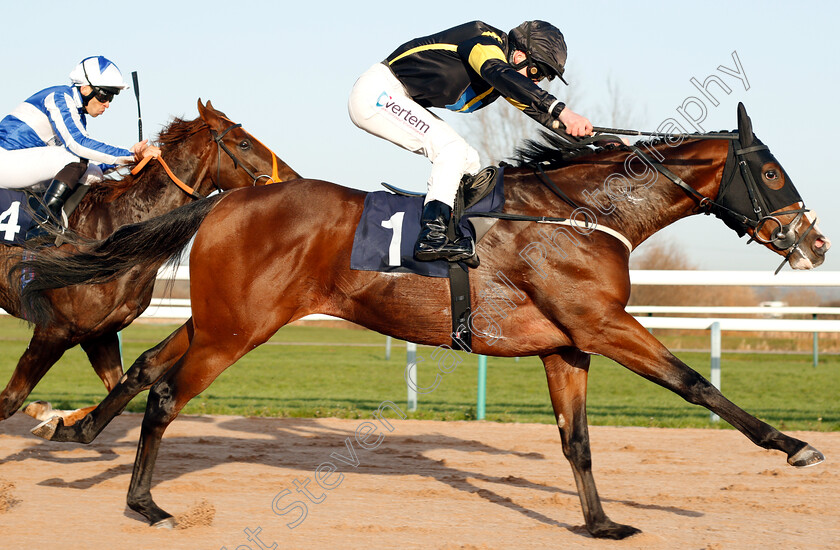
x: 44, y: 140
x: 576, y: 125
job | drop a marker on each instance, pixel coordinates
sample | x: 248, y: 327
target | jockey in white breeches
x: 45, y: 139
x: 462, y: 69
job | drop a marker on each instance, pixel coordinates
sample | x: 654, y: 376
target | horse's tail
x: 147, y: 244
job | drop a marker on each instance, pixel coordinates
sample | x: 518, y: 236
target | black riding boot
x: 433, y: 244
x: 49, y: 211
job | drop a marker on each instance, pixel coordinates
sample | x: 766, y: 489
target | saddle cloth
x: 15, y: 217
x: 389, y: 226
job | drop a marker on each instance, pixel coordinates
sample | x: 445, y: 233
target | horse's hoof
x: 615, y: 531
x: 47, y: 428
x: 168, y: 523
x: 806, y: 456
x: 39, y: 410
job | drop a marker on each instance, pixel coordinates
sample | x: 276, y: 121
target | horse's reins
x: 183, y: 186
x: 274, y: 178
x: 782, y: 238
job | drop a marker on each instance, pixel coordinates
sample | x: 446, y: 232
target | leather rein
x: 220, y: 146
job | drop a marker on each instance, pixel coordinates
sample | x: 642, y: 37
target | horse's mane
x: 549, y: 149
x: 554, y: 151
x: 175, y: 132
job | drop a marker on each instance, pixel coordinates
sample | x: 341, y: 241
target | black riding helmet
x: 544, y: 48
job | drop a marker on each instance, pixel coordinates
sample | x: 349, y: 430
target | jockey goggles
x: 104, y: 95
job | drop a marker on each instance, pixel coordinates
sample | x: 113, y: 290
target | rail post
x: 482, y: 388
x: 411, y: 366
x: 715, y: 361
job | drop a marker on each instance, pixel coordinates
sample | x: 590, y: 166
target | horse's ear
x: 745, y: 130
x: 209, y: 115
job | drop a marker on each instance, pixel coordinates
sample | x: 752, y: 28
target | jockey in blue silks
x: 45, y: 138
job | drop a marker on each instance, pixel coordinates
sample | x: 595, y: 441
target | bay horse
x: 563, y: 299
x: 211, y: 151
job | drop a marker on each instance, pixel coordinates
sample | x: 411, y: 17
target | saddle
x: 470, y: 192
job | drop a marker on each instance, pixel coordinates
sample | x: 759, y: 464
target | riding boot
x: 433, y: 244
x: 48, y: 211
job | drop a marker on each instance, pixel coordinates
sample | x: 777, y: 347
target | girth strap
x: 459, y: 291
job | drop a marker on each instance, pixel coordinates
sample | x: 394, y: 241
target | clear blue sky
x: 284, y: 69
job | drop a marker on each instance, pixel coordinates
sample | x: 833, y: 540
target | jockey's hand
x: 576, y: 125
x: 144, y: 149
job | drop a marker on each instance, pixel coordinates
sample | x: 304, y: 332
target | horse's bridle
x: 273, y: 178
x: 782, y: 238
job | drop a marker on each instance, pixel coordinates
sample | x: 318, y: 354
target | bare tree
x: 665, y: 254
x: 498, y: 129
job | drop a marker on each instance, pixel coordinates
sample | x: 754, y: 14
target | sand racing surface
x: 423, y: 485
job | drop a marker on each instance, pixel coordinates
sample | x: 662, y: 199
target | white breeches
x: 380, y: 105
x: 27, y: 167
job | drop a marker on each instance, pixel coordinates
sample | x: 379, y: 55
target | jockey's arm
x: 67, y: 123
x: 488, y: 60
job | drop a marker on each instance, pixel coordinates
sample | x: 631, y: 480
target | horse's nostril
x: 820, y: 246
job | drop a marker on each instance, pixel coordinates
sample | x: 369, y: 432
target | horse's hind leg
x: 628, y: 343
x: 567, y: 374
x: 150, y: 366
x: 41, y: 354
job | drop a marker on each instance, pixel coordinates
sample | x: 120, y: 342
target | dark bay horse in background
x: 210, y: 152
x: 562, y: 301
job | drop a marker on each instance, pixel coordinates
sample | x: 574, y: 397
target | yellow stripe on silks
x: 482, y: 53
x: 520, y: 106
x: 492, y: 35
x: 473, y: 101
x: 447, y: 47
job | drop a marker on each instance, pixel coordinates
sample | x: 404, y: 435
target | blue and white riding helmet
x: 100, y: 73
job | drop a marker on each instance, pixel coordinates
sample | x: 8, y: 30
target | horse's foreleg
x: 104, y: 354
x: 195, y: 371
x: 567, y: 375
x: 149, y: 367
x: 39, y: 357
x: 625, y: 341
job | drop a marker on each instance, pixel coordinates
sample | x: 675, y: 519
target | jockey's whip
x: 137, y: 95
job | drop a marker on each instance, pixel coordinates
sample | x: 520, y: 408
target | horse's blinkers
x: 755, y: 189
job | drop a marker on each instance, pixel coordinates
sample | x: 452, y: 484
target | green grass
x: 332, y: 379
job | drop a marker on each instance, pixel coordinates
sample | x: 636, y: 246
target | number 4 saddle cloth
x: 389, y: 227
x: 15, y: 216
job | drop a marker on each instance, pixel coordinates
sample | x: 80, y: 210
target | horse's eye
x: 771, y: 175
x: 244, y: 144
